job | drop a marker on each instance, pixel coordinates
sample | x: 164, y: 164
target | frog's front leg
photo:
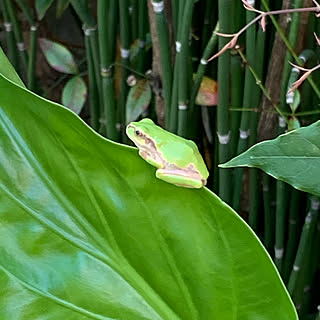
x: 179, y: 179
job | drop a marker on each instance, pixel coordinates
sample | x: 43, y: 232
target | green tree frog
x: 178, y: 160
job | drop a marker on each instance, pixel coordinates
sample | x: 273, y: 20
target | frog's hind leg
x: 179, y: 180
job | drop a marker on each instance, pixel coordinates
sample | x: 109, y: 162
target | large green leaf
x: 293, y: 157
x: 88, y: 232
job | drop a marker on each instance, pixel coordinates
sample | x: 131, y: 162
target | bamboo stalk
x: 269, y: 216
x: 18, y: 34
x: 202, y: 67
x: 249, y: 85
x: 33, y: 43
x: 125, y: 53
x: 11, y: 43
x: 165, y: 56
x: 185, y: 73
x: 106, y: 70
x: 223, y: 127
x: 89, y: 27
x: 93, y: 90
x: 305, y: 241
x: 142, y: 30
x: 293, y: 233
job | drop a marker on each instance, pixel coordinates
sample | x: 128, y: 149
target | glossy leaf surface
x: 139, y: 98
x: 88, y: 232
x: 58, y: 56
x: 74, y: 94
x: 42, y: 6
x: 293, y: 157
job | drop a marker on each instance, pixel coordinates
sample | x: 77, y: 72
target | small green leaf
x: 296, y: 101
x: 293, y: 157
x: 138, y: 100
x: 293, y: 124
x: 74, y: 94
x: 42, y: 6
x: 62, y: 5
x: 58, y: 56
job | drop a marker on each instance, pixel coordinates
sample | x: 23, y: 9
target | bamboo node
x: 278, y: 253
x: 20, y: 46
x: 224, y: 138
x: 131, y: 80
x: 8, y: 26
x: 87, y: 30
x: 102, y: 121
x: 106, y: 72
x: 178, y: 46
x: 157, y: 6
x: 296, y: 268
x: 204, y: 61
x: 282, y: 122
x: 308, y: 218
x: 125, y: 53
x: 315, y: 205
x: 118, y: 126
x: 34, y: 28
x: 244, y: 134
x: 182, y: 107
x: 290, y: 97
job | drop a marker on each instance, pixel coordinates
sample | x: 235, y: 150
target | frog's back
x: 184, y: 152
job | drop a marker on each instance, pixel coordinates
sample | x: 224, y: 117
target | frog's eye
x: 137, y: 133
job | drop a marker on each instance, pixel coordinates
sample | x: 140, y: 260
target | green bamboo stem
x: 182, y: 52
x: 93, y: 90
x: 269, y: 217
x: 293, y: 233
x: 236, y: 99
x: 11, y: 42
x: 173, y: 113
x: 249, y: 86
x: 175, y: 16
x: 32, y: 57
x: 113, y: 18
x: 26, y: 11
x: 223, y: 127
x: 133, y: 10
x: 32, y: 44
x: 207, y: 25
x: 202, y: 67
x: 313, y: 259
x: 89, y: 27
x: 142, y: 30
x: 106, y: 71
x: 125, y: 53
x: 305, y: 241
x: 165, y: 56
x: 254, y: 193
x: 18, y: 34
x: 281, y: 214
